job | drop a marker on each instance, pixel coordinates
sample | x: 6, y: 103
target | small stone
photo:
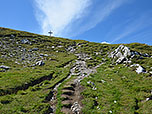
x: 60, y: 46
x: 88, y: 82
x: 46, y: 55
x: 25, y: 41
x: 110, y: 111
x: 12, y: 36
x: 147, y: 99
x: 98, y: 107
x: 94, y: 88
x: 40, y: 63
x: 41, y: 54
x: 150, y: 72
x: 35, y: 49
x: 146, y: 55
x: 103, y: 81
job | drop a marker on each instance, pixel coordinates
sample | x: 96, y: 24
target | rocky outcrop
x: 121, y: 54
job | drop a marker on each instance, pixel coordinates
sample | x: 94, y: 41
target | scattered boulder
x: 25, y: 41
x: 4, y: 67
x: 71, y: 49
x: 12, y: 36
x: 40, y: 63
x: 35, y: 49
x: 53, y: 47
x: 94, y: 88
x: 60, y: 46
x: 146, y: 55
x: 103, y: 81
x: 110, y: 112
x: 44, y: 55
x: 89, y: 82
x: 139, y: 69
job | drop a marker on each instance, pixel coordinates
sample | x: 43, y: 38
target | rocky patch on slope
x: 124, y: 55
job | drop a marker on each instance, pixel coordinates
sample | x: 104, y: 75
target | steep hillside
x: 42, y: 75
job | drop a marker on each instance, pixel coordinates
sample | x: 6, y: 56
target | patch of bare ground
x: 69, y: 99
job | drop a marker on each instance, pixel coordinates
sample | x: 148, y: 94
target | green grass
x: 59, y: 104
x: 32, y: 100
x: 121, y: 85
x: 123, y: 91
x: 25, y: 88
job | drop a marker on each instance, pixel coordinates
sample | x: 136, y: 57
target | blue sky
x: 113, y: 21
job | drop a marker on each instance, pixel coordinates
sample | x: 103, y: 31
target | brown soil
x: 70, y: 99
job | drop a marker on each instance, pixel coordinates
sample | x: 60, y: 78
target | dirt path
x: 72, y: 98
x: 72, y: 89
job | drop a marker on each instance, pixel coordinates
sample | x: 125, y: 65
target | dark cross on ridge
x: 50, y: 33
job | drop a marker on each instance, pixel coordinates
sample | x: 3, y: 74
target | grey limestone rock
x: 40, y: 63
x: 121, y: 54
x: 4, y: 67
x: 76, y: 108
x: 35, y: 49
x: 139, y: 69
x: 25, y: 41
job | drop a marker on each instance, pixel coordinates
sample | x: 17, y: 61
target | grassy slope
x: 119, y: 88
x: 24, y: 89
x: 127, y: 88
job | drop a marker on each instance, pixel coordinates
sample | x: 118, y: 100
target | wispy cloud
x: 135, y: 26
x: 58, y: 14
x: 72, y: 17
x: 100, y: 13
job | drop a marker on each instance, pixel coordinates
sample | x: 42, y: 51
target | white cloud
x: 72, y: 17
x: 101, y: 12
x: 104, y: 42
x: 56, y: 15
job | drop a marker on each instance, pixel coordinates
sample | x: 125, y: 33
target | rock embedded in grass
x: 25, y: 41
x: 4, y: 67
x: 40, y: 63
x: 76, y: 108
x: 139, y: 69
